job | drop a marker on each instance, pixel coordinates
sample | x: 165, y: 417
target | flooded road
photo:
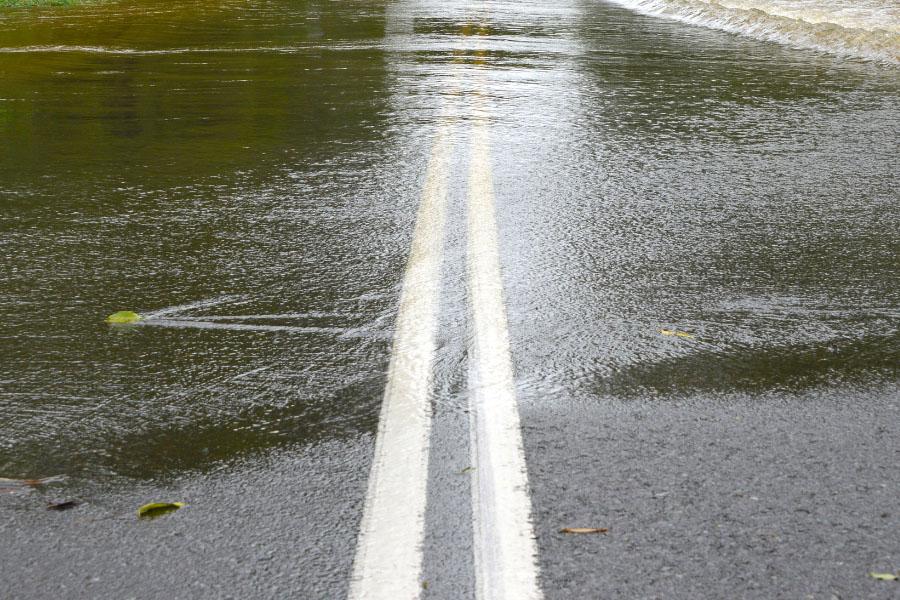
x: 697, y: 288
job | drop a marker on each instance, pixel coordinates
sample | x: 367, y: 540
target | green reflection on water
x: 161, y: 154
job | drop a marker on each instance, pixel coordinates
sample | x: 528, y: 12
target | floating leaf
x: 62, y: 505
x: 123, y: 316
x: 466, y: 470
x: 681, y: 334
x: 884, y: 576
x: 584, y: 530
x: 158, y: 509
x: 14, y: 485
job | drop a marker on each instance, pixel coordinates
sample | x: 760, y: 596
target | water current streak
x: 867, y: 29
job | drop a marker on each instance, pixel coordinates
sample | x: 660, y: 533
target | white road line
x: 388, y: 559
x: 504, y: 545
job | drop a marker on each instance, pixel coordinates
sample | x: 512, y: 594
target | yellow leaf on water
x: 13, y: 485
x: 157, y: 509
x: 884, y: 576
x: 123, y: 316
x: 681, y: 334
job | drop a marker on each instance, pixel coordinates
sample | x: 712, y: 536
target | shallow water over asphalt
x: 247, y: 176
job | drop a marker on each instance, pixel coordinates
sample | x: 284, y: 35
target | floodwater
x: 246, y: 175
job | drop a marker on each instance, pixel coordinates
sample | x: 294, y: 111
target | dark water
x: 247, y: 173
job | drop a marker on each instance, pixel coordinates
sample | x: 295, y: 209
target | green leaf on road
x: 883, y: 576
x: 158, y: 509
x: 123, y: 316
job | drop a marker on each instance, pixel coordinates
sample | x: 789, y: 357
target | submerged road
x: 428, y: 285
x: 389, y: 551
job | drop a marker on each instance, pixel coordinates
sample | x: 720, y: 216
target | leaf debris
x: 123, y: 316
x: 13, y: 485
x: 676, y: 333
x: 158, y: 509
x: 584, y: 530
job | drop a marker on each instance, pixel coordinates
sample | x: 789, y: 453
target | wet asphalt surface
x: 648, y: 176
x: 705, y: 498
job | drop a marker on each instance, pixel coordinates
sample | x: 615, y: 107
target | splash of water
x: 867, y: 29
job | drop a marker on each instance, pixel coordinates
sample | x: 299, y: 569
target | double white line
x: 389, y: 554
x: 389, y: 548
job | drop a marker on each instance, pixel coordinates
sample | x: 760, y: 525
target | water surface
x: 247, y: 175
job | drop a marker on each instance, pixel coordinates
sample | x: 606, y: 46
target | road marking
x: 504, y: 545
x: 388, y: 559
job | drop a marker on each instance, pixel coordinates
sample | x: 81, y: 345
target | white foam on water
x: 197, y: 304
x: 867, y: 29
x: 274, y: 317
x: 196, y: 324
